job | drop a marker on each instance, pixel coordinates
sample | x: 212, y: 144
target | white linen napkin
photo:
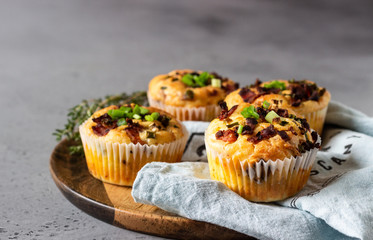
x: 336, y: 203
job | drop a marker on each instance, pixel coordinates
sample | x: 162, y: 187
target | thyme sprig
x: 81, y: 112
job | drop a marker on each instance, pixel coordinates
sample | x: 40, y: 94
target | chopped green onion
x: 239, y: 130
x: 136, y: 116
x: 248, y: 112
x: 155, y: 115
x: 152, y: 117
x: 116, y: 113
x: 275, y: 84
x: 271, y: 115
x: 266, y: 104
x: 283, y: 123
x: 143, y: 111
x: 188, y: 80
x: 232, y: 124
x: 136, y: 109
x: 125, y: 109
x: 149, y: 118
x: 150, y: 134
x: 216, y: 83
x: 200, y: 80
x: 163, y: 87
x: 130, y: 115
x: 122, y: 121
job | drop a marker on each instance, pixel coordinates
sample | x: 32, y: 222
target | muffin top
x: 301, y: 96
x: 267, y: 132
x: 188, y: 88
x: 133, y: 124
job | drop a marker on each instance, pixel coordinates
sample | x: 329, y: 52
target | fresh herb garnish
x: 275, y: 84
x: 249, y: 112
x: 81, y: 112
x: 198, y: 80
x: 266, y: 104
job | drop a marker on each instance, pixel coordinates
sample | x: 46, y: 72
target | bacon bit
x: 291, y: 129
x: 100, y: 130
x: 247, y: 95
x: 256, y: 84
x: 133, y: 130
x: 247, y: 130
x: 262, y: 113
x: 134, y: 135
x: 104, y: 124
x: 314, y: 136
x: 283, y: 112
x: 229, y: 135
x: 266, y: 133
x: 303, y: 91
x: 212, y: 93
x: 228, y: 88
x: 251, y: 122
x: 225, y: 113
x: 284, y: 135
x: 276, y: 120
x: 305, y: 124
x: 269, y: 132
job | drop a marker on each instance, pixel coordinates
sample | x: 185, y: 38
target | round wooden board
x: 115, y: 205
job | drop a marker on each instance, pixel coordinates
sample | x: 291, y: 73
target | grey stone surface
x: 53, y: 54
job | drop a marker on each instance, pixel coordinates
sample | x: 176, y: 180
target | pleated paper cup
x: 206, y: 113
x: 262, y: 181
x: 118, y: 163
x: 316, y: 119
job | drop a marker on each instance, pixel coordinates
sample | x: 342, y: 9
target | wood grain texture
x: 115, y: 205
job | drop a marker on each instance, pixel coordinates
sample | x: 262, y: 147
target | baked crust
x: 170, y: 90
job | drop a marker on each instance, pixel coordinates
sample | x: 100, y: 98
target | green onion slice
x: 216, y: 83
x: 271, y: 115
x: 239, y: 130
x: 266, y: 104
x: 275, y: 84
x: 248, y: 112
x: 232, y: 124
x: 121, y: 121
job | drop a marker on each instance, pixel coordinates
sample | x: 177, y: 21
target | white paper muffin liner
x: 316, y: 119
x: 206, y: 113
x: 262, y: 181
x: 118, y: 163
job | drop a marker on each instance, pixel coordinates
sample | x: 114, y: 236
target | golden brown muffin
x: 188, y: 94
x: 303, y: 97
x: 119, y: 140
x: 262, y: 153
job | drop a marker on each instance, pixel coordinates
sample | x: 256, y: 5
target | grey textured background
x: 53, y: 54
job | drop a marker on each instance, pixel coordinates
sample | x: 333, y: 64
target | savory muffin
x: 119, y: 140
x: 190, y: 95
x: 263, y: 153
x: 303, y: 97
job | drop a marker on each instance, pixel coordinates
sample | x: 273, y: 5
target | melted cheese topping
x: 170, y: 90
x: 268, y: 149
x: 118, y: 135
